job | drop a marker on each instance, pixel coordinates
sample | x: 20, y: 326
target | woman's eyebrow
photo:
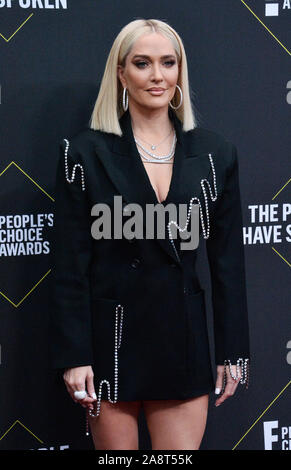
x: 148, y: 57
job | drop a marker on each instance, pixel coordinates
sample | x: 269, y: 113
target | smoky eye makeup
x: 141, y: 63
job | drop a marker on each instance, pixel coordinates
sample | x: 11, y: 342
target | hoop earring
x: 181, y: 99
x: 125, y: 99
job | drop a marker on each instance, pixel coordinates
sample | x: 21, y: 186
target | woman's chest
x: 159, y: 175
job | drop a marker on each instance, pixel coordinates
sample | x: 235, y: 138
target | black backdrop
x: 53, y: 55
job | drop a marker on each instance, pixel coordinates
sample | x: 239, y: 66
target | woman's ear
x: 120, y: 73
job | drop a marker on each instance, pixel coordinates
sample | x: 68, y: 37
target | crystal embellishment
x: 213, y: 196
x: 77, y: 165
x: 242, y: 365
x: 117, y: 343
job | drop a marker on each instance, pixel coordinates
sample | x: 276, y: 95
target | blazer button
x: 135, y: 263
x: 185, y: 290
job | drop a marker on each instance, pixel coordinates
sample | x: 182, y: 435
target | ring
x: 80, y: 394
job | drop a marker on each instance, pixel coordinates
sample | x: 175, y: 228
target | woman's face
x: 151, y: 63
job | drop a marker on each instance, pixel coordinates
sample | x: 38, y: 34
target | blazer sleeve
x: 225, y: 252
x: 70, y: 316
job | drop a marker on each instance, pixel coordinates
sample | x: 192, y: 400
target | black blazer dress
x: 134, y: 309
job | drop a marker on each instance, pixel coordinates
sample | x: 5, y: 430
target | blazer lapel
x: 126, y: 170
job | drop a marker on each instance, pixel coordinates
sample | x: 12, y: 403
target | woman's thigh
x: 176, y: 424
x: 116, y: 427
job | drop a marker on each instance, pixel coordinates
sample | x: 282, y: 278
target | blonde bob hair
x: 108, y: 106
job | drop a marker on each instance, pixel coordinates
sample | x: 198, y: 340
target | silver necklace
x: 153, y: 147
x: 157, y: 158
x: 152, y: 160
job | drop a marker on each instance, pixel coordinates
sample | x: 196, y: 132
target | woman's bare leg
x: 116, y: 427
x: 176, y: 424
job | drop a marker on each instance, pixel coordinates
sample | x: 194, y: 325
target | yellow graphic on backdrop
x: 261, y: 415
x: 288, y: 52
x: 34, y: 182
x: 273, y: 200
x: 22, y: 24
x: 19, y: 422
x: 50, y: 197
x: 28, y: 293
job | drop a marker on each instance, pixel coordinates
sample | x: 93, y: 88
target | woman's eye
x: 140, y: 63
x: 168, y: 63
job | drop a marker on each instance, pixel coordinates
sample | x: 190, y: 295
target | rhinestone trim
x: 245, y: 372
x: 70, y: 180
x: 117, y: 341
x: 213, y: 196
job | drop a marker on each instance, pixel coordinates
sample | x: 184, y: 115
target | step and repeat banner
x: 53, y: 54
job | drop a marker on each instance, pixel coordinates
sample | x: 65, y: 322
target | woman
x: 129, y: 322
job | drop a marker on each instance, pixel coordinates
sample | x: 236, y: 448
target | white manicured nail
x: 94, y: 396
x: 217, y: 391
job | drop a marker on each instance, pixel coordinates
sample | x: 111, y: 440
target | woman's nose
x: 157, y: 74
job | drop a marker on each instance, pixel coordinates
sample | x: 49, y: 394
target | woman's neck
x: 154, y: 123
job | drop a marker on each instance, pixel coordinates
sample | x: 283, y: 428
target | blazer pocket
x: 107, y: 335
x: 199, y: 362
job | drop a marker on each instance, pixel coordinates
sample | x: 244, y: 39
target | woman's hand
x: 231, y: 384
x: 76, y: 378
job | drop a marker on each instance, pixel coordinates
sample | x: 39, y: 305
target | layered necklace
x: 153, y: 158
